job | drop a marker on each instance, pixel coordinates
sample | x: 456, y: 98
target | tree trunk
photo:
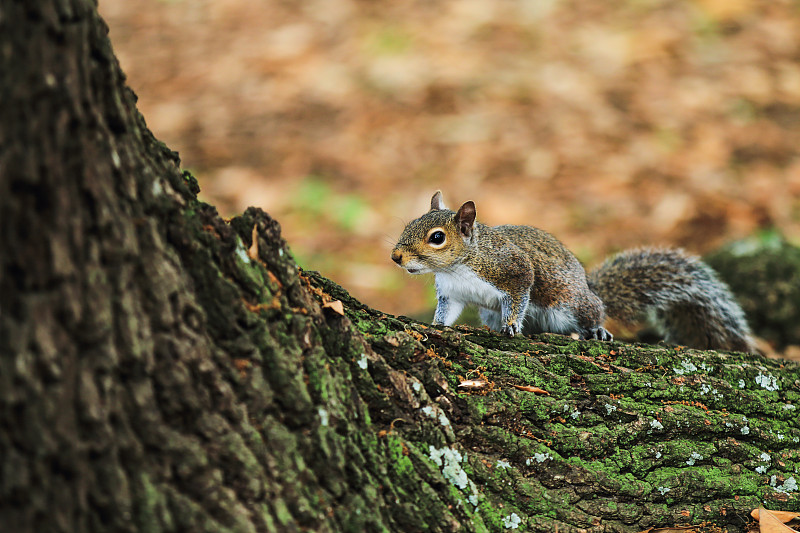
x: 159, y: 373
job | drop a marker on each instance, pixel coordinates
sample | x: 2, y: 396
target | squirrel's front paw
x: 510, y: 330
x: 600, y: 333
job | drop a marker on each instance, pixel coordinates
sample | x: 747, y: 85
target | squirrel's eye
x: 437, y: 237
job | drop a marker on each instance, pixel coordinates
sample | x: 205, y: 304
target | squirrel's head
x: 436, y: 240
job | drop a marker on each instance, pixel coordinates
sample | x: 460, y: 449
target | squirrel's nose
x: 397, y: 256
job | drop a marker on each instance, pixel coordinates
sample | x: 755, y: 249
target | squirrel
x: 524, y: 280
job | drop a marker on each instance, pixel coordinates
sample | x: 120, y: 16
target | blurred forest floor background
x: 608, y: 124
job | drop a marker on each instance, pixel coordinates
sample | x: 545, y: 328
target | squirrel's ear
x: 465, y: 218
x: 437, y: 204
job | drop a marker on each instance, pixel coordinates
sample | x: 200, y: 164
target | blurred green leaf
x: 389, y: 40
x: 350, y: 211
x: 313, y: 195
x: 315, y: 198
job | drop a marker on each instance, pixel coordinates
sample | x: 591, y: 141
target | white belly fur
x: 461, y: 284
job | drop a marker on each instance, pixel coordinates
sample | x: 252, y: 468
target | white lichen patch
x: 741, y: 384
x: 324, y: 418
x: 767, y: 381
x: 512, y: 521
x: 745, y: 430
x: 417, y: 386
x: 502, y: 463
x: 362, y: 361
x: 707, y: 389
x: 241, y: 252
x: 789, y: 407
x: 706, y: 368
x: 658, y: 455
x: 685, y: 368
x: 790, y: 485
x: 157, y: 189
x: 694, y: 457
x: 575, y: 414
x: 429, y: 411
x: 542, y: 457
x: 765, y: 457
x: 443, y: 420
x: 610, y: 408
x: 538, y: 457
x: 450, y: 461
x: 663, y: 490
x: 761, y: 469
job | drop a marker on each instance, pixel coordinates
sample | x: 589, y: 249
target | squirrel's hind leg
x: 600, y: 333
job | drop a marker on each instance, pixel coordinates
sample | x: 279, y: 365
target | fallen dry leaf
x: 783, y: 516
x: 255, y: 308
x: 473, y: 384
x: 274, y: 279
x: 252, y: 252
x: 530, y: 388
x: 773, y: 521
x: 336, y: 306
x: 242, y: 365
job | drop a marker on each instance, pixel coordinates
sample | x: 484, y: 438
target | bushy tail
x: 677, y: 294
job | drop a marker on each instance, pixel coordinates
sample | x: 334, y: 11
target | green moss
x: 396, y: 452
x: 637, y: 421
x: 319, y: 380
x: 150, y: 512
x: 492, y: 516
x: 281, y: 512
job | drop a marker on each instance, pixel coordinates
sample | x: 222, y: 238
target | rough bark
x: 154, y: 376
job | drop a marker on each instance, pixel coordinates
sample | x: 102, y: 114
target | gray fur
x: 677, y: 294
x: 523, y: 280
